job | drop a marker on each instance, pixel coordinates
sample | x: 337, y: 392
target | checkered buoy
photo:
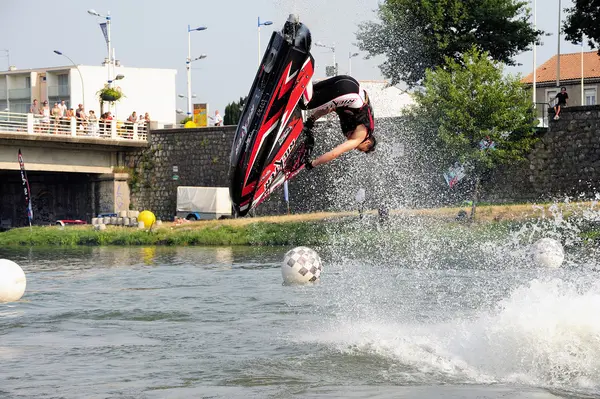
x: 301, y: 265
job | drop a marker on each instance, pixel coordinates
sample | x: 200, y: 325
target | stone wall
x: 201, y: 158
x: 404, y: 171
x: 564, y: 162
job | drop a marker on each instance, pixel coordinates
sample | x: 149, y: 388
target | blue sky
x: 153, y: 34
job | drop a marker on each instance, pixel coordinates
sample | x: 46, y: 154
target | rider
x: 343, y: 95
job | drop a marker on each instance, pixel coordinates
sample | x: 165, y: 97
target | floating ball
x: 548, y: 252
x: 301, y: 265
x: 12, y: 281
x: 147, y: 218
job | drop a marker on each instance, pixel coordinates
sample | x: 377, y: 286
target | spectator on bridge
x: 35, y: 108
x: 55, y: 117
x: 218, y: 118
x: 562, y: 98
x: 82, y: 121
x: 66, y: 119
x: 107, y: 122
x: 79, y: 111
x: 70, y: 114
x: 133, y: 119
x: 63, y: 108
x: 93, y: 123
x: 45, y: 112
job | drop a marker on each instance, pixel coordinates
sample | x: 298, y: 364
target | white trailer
x: 202, y: 203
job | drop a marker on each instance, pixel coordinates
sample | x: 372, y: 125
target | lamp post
x: 80, y: 75
x: 188, y: 67
x: 118, y: 77
x: 558, y: 48
x: 8, y: 69
x: 332, y: 48
x: 350, y: 56
x: 266, y: 23
x: 534, y: 58
x: 107, y: 37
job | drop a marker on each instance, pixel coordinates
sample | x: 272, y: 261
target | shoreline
x: 295, y: 229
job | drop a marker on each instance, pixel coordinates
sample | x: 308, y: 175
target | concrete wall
x: 54, y: 196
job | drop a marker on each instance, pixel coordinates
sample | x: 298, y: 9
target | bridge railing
x: 11, y: 122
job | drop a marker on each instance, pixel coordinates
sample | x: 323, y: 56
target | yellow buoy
x: 148, y: 218
x: 189, y: 124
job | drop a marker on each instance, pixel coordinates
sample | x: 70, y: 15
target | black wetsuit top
x: 343, y: 95
x: 562, y: 98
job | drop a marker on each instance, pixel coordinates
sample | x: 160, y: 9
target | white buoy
x: 548, y: 252
x: 301, y: 265
x: 12, y: 281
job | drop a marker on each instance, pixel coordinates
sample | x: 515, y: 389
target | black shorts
x: 349, y: 122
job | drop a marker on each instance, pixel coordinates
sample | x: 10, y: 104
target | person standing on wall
x: 562, y: 98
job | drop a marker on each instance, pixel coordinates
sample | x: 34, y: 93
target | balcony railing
x: 30, y: 124
x: 58, y: 91
x: 19, y: 94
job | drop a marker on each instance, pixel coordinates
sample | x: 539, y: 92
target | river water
x: 194, y: 322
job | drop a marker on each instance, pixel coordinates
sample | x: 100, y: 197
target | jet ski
x: 270, y: 145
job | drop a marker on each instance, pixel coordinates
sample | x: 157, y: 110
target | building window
x: 551, y: 97
x: 590, y: 96
x: 63, y: 80
x: 28, y: 82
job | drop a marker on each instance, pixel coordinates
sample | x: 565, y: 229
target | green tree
x: 233, y: 112
x: 416, y: 35
x: 584, y: 19
x: 469, y: 102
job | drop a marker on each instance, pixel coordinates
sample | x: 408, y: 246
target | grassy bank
x: 244, y: 234
x: 302, y: 229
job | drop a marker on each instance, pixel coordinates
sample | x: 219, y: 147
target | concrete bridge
x: 74, y: 169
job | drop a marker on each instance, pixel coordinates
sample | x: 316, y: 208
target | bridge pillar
x: 112, y: 192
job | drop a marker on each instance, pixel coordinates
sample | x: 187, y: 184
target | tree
x: 471, y: 105
x: 583, y: 19
x: 233, y: 112
x: 416, y: 35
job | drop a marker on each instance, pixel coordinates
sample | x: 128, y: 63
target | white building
x: 144, y: 89
x: 387, y: 101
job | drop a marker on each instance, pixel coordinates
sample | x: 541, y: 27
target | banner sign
x: 201, y: 115
x: 26, y: 190
x: 455, y: 174
x: 104, y: 31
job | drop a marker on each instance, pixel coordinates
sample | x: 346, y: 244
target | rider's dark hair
x: 373, y: 144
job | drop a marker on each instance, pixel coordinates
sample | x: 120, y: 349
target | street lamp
x: 350, y: 56
x: 535, y: 57
x: 332, y: 48
x: 188, y: 67
x: 106, y: 31
x: 266, y: 23
x: 558, y: 49
x: 8, y: 69
x: 80, y: 75
x: 184, y: 96
x: 118, y: 77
